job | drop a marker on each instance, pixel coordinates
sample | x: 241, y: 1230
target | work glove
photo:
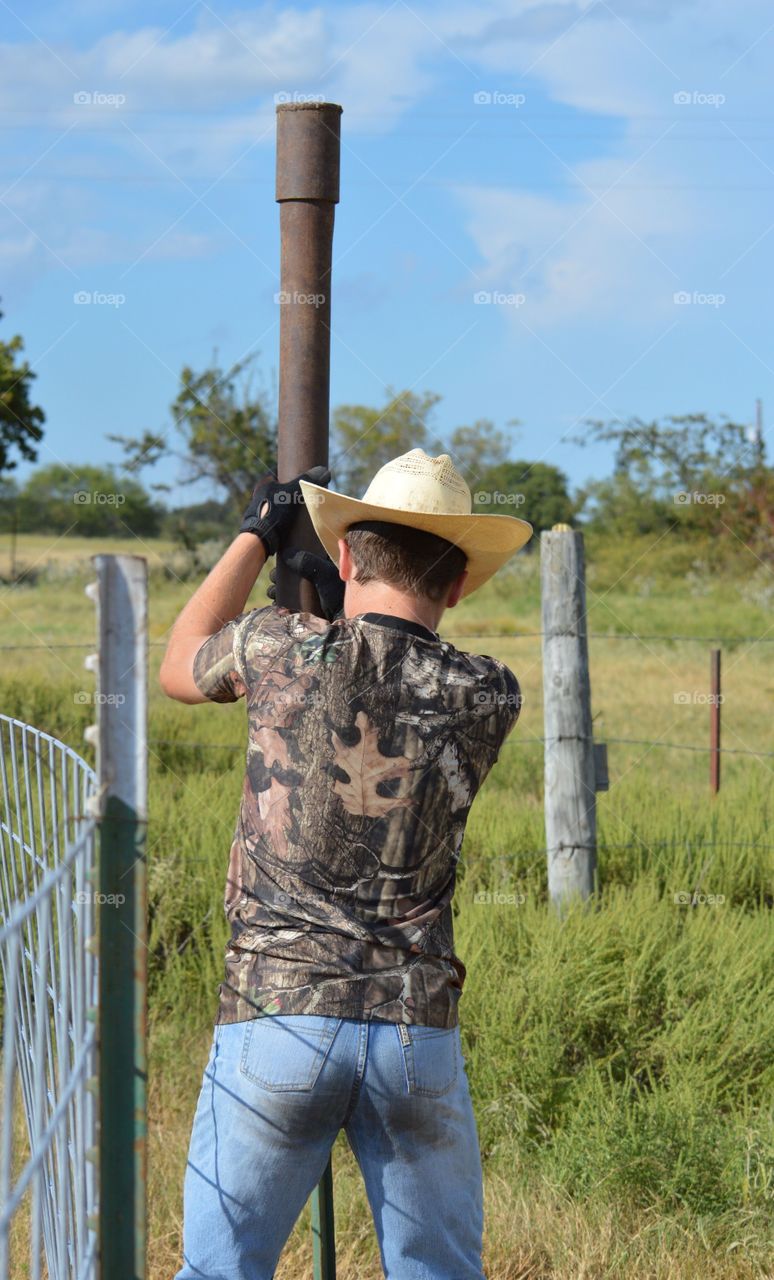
x: 282, y: 498
x: 323, y: 575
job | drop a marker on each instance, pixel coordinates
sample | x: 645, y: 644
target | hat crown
x: 417, y: 482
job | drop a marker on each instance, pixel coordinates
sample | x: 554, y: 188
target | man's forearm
x: 221, y: 597
x: 225, y: 590
x: 223, y: 594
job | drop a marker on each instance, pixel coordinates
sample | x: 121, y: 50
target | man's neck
x: 375, y: 598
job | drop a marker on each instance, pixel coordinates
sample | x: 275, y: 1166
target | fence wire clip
x: 94, y: 803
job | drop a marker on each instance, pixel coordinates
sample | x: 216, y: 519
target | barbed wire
x: 645, y: 845
x: 460, y: 635
x: 33, y: 648
x: 607, y: 635
x: 511, y: 742
x: 647, y: 742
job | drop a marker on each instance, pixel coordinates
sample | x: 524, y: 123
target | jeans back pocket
x: 287, y: 1052
x: 431, y: 1058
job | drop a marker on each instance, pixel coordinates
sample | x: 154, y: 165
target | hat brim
x: 488, y: 541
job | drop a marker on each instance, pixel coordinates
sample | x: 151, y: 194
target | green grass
x: 620, y: 1059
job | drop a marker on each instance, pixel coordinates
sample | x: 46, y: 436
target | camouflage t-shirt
x: 368, y: 738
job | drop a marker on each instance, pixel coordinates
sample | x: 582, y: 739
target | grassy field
x: 620, y: 1060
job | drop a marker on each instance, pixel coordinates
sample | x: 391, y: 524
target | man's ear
x: 455, y: 590
x: 346, y: 567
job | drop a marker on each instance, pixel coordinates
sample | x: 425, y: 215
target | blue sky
x: 592, y: 159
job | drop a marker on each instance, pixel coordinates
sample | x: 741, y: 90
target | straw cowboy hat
x: 424, y: 493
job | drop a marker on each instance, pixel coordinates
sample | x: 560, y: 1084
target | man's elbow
x: 167, y: 679
x: 173, y: 685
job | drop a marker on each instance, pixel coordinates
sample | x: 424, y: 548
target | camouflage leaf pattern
x: 366, y: 767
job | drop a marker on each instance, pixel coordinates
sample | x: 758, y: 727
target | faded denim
x: 275, y: 1093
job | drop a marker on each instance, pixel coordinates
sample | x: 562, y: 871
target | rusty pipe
x: 307, y: 190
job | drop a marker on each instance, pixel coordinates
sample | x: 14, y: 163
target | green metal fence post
x: 323, y: 1237
x: 122, y: 772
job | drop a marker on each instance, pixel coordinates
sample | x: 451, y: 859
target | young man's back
x: 368, y: 740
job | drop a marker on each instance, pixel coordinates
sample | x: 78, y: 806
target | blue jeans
x: 277, y: 1090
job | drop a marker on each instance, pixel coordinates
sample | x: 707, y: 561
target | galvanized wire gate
x: 73, y: 952
x: 49, y: 973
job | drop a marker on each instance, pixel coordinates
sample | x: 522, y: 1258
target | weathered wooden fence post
x: 570, y: 796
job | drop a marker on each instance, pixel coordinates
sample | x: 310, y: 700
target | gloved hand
x: 281, y: 500
x: 323, y: 575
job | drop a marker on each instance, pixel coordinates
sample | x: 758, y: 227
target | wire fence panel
x: 48, y: 1179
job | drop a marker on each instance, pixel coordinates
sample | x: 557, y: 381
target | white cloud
x: 575, y: 260
x: 217, y: 64
x: 32, y: 241
x: 383, y: 60
x: 675, y: 211
x: 200, y: 98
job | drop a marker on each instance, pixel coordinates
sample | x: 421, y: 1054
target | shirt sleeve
x: 512, y: 699
x: 503, y: 696
x: 219, y: 670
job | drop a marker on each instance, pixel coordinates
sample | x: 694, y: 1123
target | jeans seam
x: 362, y: 1059
x: 404, y: 1040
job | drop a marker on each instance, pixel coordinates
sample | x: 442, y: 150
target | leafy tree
x: 223, y: 431
x: 364, y: 438
x: 88, y: 501
x: 20, y: 421
x: 9, y: 495
x: 200, y: 520
x: 678, y: 472
x: 749, y: 510
x: 478, y: 448
x: 677, y: 454
x: 534, y: 491
x: 619, y: 506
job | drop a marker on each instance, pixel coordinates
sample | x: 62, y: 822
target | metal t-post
x: 716, y: 699
x: 308, y: 149
x: 122, y: 768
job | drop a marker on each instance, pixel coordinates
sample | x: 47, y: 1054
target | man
x: 369, y: 737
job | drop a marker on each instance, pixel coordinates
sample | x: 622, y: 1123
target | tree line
x: 694, y: 474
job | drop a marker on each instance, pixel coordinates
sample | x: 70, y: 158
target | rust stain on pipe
x: 307, y: 189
